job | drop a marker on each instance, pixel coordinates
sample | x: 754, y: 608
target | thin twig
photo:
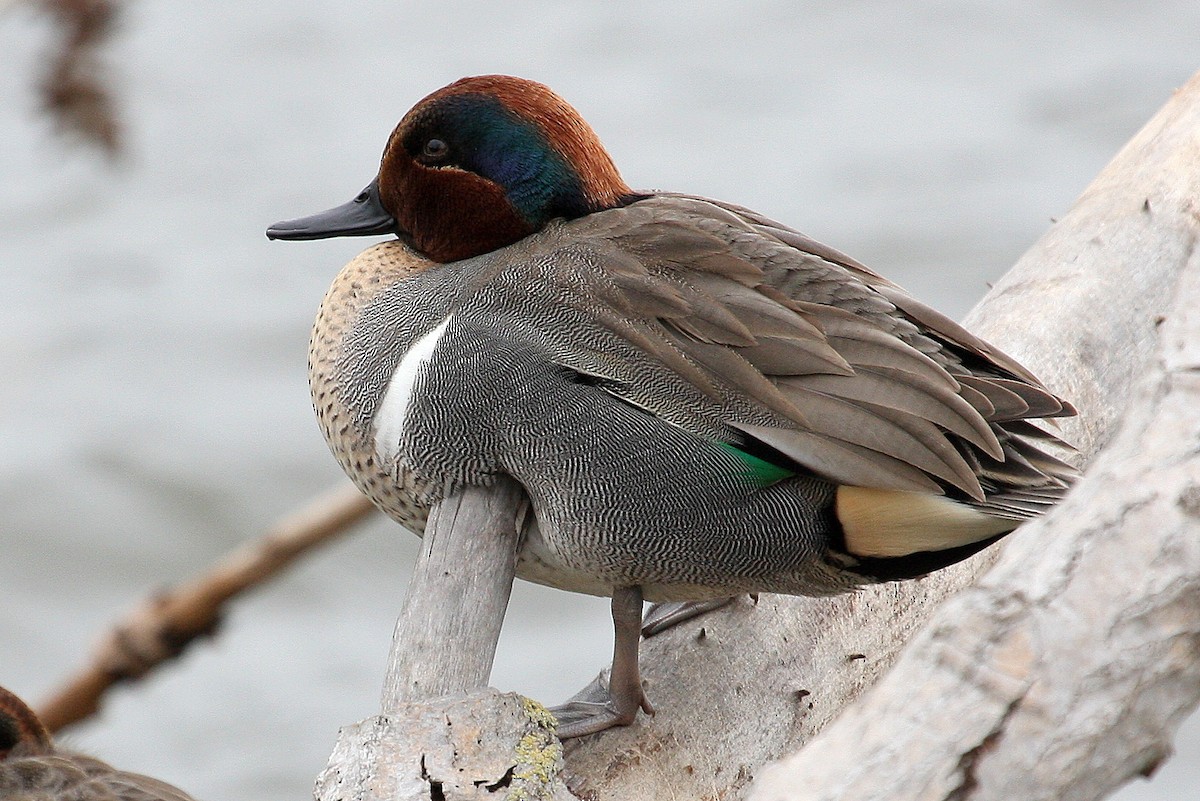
x: 74, y: 88
x: 164, y: 624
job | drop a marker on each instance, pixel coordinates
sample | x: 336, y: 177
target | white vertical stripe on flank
x: 389, y: 417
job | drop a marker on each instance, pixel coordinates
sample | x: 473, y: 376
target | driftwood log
x: 1068, y: 668
x: 1060, y: 675
x: 446, y: 635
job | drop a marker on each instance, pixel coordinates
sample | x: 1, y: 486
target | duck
x: 34, y: 768
x: 698, y: 401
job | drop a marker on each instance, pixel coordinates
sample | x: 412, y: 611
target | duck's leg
x: 602, y: 705
x: 663, y: 616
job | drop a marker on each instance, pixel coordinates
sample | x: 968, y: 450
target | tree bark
x: 464, y: 747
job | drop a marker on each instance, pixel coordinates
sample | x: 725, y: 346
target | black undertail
x: 913, y: 565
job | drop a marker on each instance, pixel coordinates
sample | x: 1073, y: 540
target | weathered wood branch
x: 1067, y: 670
x: 443, y: 734
x: 163, y: 625
x: 446, y: 635
x: 745, y: 685
x: 466, y: 747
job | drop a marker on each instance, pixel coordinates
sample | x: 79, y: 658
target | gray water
x: 154, y: 410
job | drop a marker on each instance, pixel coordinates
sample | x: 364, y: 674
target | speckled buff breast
x: 344, y: 409
x: 697, y: 400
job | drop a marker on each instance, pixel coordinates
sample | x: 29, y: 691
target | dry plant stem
x: 73, y: 89
x: 745, y: 685
x: 446, y: 635
x: 164, y: 624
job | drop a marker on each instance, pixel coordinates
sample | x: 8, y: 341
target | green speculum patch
x: 758, y: 471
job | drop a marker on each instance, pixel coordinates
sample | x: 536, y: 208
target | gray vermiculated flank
x: 556, y: 368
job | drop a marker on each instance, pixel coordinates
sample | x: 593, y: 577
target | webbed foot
x: 615, y: 696
x: 596, y: 708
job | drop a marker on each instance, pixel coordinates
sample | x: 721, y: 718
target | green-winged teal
x: 33, y: 768
x: 698, y: 401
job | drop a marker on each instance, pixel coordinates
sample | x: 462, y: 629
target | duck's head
x: 21, y: 733
x: 475, y: 166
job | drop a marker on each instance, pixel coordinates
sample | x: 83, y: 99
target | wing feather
x: 806, y: 352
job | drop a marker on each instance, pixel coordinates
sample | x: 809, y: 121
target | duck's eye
x: 435, y: 149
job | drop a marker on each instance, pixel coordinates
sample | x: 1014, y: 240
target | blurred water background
x: 154, y: 410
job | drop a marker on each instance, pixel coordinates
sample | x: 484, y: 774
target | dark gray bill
x: 363, y: 216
